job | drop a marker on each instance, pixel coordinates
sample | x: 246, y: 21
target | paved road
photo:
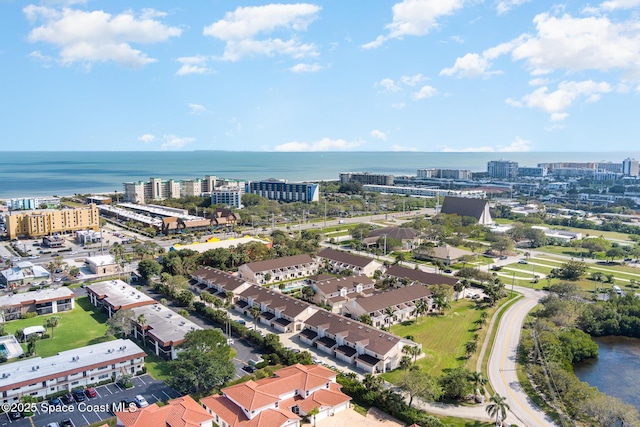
x: 502, y: 363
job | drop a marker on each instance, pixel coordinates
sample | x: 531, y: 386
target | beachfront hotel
x: 47, y: 222
x: 281, y: 190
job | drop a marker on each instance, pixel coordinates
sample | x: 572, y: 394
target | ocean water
x: 24, y: 174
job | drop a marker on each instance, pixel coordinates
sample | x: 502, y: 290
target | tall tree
x: 417, y: 383
x: 52, y: 322
x: 498, y: 408
x: 203, y: 364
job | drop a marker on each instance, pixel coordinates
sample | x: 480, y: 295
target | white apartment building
x: 228, y: 196
x: 80, y: 367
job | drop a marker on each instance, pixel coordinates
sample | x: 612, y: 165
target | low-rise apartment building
x: 115, y: 295
x: 279, y: 269
x: 44, y: 301
x: 338, y: 261
x: 23, y: 273
x: 281, y: 312
x: 284, y: 191
x: 390, y: 307
x: 39, y: 377
x: 336, y: 291
x: 52, y: 221
x: 180, y: 412
x: 370, y: 349
x: 279, y: 401
x: 217, y: 282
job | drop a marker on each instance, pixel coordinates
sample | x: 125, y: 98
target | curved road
x: 502, y: 363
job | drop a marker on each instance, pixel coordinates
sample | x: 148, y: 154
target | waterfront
x: 616, y: 371
x: 39, y: 173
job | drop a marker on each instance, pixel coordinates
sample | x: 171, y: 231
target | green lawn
x: 443, y: 338
x: 84, y: 325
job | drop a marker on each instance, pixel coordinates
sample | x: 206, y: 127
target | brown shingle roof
x: 274, y: 264
x: 291, y: 307
x: 420, y: 276
x: 228, y: 281
x: 345, y: 257
x: 393, y: 297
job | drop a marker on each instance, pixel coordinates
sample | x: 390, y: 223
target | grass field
x: 82, y: 326
x: 443, y: 338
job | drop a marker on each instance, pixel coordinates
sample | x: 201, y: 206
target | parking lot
x: 95, y: 409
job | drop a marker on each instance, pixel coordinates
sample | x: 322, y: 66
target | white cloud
x: 173, y: 142
x: 325, y: 144
x: 470, y: 65
x: 306, y: 68
x: 412, y: 80
x: 378, y: 134
x: 415, y: 18
x: 505, y: 6
x: 396, y: 147
x: 197, y: 109
x: 557, y: 102
x: 424, y: 92
x: 193, y: 65
x: 240, y: 30
x: 612, y: 5
x: 517, y: 146
x: 388, y: 85
x: 87, y: 37
x: 147, y: 138
x: 398, y: 105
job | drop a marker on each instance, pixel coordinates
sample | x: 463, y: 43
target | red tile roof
x: 180, y: 412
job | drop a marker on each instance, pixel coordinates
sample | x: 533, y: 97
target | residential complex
x: 23, y: 273
x: 40, y: 377
x: 366, y: 178
x: 464, y: 174
x: 428, y: 192
x: 47, y: 222
x: 502, y: 169
x: 279, y: 401
x: 338, y: 261
x: 279, y: 269
x: 44, y: 301
x: 32, y: 203
x: 180, y: 412
x: 336, y: 291
x: 228, y: 196
x: 281, y: 190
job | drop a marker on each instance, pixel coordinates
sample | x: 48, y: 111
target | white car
x: 74, y: 253
x: 34, y: 257
x: 141, y: 401
x: 57, y: 279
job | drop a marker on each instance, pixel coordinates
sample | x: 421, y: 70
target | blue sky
x: 412, y: 75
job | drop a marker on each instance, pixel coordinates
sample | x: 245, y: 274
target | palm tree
x: 142, y: 321
x: 471, y: 348
x: 389, y: 313
x: 479, y: 380
x: 255, y: 312
x: 498, y: 408
x: 371, y: 382
x: 421, y: 307
x: 312, y: 413
x: 405, y: 362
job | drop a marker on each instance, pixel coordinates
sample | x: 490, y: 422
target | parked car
x: 503, y: 257
x: 91, y: 392
x: 242, y: 322
x: 523, y: 261
x: 67, y: 399
x: 54, y: 424
x: 79, y: 396
x: 55, y: 401
x: 127, y: 402
x: 248, y: 368
x: 141, y: 402
x: 67, y: 423
x: 14, y: 415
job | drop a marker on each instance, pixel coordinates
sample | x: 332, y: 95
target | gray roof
x: 398, y: 233
x: 420, y: 276
x: 393, y: 297
x: 167, y: 326
x: 36, y: 297
x: 375, y: 340
x: 334, y: 284
x: 288, y: 306
x: 119, y: 294
x: 464, y: 206
x: 279, y: 263
x: 35, y: 370
x: 345, y: 257
x: 228, y: 281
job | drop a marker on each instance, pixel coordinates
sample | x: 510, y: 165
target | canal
x: 616, y: 371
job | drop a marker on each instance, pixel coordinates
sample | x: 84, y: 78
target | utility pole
x: 325, y: 213
x: 385, y: 244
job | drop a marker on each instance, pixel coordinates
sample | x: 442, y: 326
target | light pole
x: 385, y: 244
x: 325, y: 213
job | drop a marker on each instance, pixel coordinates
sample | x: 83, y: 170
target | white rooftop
x: 36, y: 297
x: 119, y: 294
x: 24, y: 270
x: 76, y: 360
x: 165, y: 324
x: 101, y: 260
